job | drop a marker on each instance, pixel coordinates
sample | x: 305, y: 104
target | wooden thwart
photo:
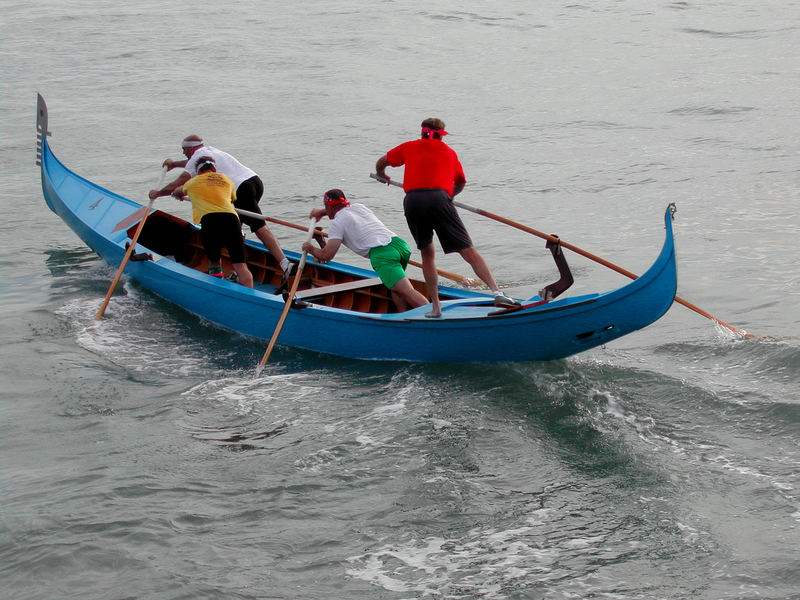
x: 337, y: 287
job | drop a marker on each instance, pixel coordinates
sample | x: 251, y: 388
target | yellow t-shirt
x: 210, y: 192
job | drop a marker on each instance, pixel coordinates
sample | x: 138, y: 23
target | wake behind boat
x: 341, y: 309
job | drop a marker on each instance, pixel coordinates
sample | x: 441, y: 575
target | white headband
x: 191, y: 144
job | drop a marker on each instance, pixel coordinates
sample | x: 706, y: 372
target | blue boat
x: 344, y: 310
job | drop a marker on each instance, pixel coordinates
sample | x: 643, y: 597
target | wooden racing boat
x: 341, y: 309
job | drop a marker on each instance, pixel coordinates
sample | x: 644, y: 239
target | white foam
x: 583, y: 543
x: 690, y: 534
x: 389, y: 409
x: 279, y: 392
x: 482, y: 565
x: 643, y: 426
x: 541, y: 516
x: 367, y: 440
x: 116, y: 338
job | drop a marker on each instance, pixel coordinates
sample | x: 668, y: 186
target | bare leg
x: 431, y: 279
x: 480, y: 267
x: 245, y: 276
x: 270, y: 243
x: 404, y: 295
x: 399, y: 301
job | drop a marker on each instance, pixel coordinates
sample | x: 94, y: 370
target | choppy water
x: 140, y: 458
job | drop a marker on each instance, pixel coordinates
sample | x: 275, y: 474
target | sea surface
x: 140, y: 457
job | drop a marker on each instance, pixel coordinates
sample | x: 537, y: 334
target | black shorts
x: 218, y: 230
x: 431, y: 209
x: 248, y: 195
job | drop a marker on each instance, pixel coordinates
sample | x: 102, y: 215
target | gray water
x: 140, y: 457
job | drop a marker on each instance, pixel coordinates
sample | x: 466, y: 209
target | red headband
x: 427, y: 132
x: 330, y: 201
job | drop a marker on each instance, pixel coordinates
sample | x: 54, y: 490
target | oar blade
x: 130, y: 220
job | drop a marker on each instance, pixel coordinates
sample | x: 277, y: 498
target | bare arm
x: 170, y: 187
x: 380, y: 168
x: 174, y: 164
x: 318, y: 213
x: 323, y: 254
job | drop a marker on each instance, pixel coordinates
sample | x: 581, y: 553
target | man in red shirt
x: 433, y: 176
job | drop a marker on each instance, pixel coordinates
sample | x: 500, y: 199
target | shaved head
x: 192, y: 141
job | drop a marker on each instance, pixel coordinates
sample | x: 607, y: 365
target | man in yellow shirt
x: 212, y: 195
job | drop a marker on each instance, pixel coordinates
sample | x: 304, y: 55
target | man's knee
x: 469, y: 254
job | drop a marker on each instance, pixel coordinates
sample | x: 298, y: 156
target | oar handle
x: 377, y: 177
x: 311, y: 226
x: 255, y: 215
x: 288, y: 304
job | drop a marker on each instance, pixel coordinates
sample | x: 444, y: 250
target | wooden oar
x: 582, y: 252
x: 288, y: 304
x: 129, y: 251
x: 465, y: 281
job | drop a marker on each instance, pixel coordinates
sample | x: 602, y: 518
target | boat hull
x: 471, y: 330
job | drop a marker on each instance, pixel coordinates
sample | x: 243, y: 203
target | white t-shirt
x: 359, y: 229
x: 224, y: 163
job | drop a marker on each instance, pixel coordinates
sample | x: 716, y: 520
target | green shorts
x: 390, y: 261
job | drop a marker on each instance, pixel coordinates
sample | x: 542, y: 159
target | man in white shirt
x: 249, y: 189
x: 355, y: 226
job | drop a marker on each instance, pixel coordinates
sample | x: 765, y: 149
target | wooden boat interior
x: 169, y: 235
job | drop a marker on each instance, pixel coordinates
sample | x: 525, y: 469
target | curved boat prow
x: 666, y: 261
x: 41, y: 136
x: 661, y: 279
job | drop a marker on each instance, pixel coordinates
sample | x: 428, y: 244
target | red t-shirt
x: 430, y: 163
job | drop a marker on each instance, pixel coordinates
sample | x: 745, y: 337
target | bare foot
x: 434, y: 314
